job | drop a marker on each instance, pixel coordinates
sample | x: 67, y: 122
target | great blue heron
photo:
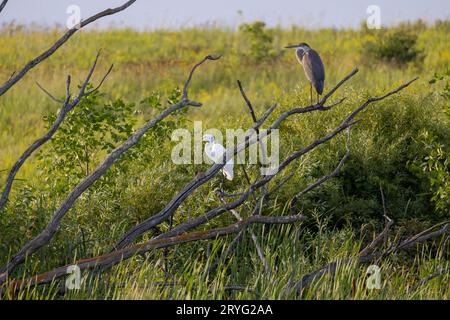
x: 312, y: 65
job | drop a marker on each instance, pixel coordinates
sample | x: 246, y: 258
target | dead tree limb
x: 194, y: 184
x: 108, y: 260
x: 193, y: 223
x: 328, y: 176
x: 3, y: 4
x: 47, y: 234
x: 47, y: 53
x: 368, y: 254
x: 67, y: 106
x: 422, y: 282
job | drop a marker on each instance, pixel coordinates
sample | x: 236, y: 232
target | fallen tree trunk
x: 110, y: 259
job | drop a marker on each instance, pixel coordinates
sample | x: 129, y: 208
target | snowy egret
x: 215, y: 151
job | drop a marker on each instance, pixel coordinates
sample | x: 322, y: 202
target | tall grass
x: 383, y: 148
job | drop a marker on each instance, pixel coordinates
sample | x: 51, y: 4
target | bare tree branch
x: 47, y: 234
x: 49, y: 94
x: 422, y: 282
x: 108, y: 260
x: 186, y: 85
x: 67, y: 106
x: 31, y: 64
x: 330, y: 175
x: 193, y: 223
x: 173, y: 205
x: 368, y: 255
x: 3, y: 4
x: 247, y: 101
x: 102, y: 81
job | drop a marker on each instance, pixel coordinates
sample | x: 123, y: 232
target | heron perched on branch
x: 312, y: 65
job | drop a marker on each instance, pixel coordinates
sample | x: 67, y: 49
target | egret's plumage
x: 215, y: 151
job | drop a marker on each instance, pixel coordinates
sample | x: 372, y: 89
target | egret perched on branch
x: 312, y: 65
x: 215, y: 151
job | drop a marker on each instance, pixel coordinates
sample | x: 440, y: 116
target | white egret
x: 215, y: 151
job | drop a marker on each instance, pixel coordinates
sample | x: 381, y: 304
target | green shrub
x: 398, y: 47
x: 435, y: 165
x: 91, y: 129
x: 260, y: 40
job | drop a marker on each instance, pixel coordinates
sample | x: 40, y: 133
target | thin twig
x: 49, y: 94
x: 254, y: 239
x: 368, y: 255
x: 188, y: 81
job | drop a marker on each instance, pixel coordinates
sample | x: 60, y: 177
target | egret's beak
x: 291, y: 46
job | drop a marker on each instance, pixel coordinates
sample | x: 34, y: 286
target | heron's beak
x: 291, y: 46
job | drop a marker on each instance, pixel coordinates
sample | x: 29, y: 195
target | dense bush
x: 260, y: 40
x: 398, y: 47
x: 434, y: 166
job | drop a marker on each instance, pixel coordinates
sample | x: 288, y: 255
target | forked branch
x: 49, y: 231
x: 67, y: 106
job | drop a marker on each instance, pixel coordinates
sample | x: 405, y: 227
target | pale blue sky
x: 147, y: 14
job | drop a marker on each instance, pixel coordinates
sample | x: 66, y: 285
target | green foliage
x: 93, y: 128
x: 162, y: 130
x: 444, y: 79
x: 260, y: 40
x: 401, y: 144
x: 290, y: 251
x: 434, y: 166
x: 398, y: 47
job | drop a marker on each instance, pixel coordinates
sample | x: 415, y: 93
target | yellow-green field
x: 394, y: 147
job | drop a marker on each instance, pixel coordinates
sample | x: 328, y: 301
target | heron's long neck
x: 299, y: 54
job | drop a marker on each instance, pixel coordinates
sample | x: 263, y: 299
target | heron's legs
x: 317, y: 98
x: 310, y: 93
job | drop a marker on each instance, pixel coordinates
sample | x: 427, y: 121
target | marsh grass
x: 343, y: 214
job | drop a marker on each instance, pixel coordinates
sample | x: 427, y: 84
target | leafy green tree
x: 260, y: 40
x: 92, y: 128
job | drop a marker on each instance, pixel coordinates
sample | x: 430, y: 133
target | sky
x: 173, y: 14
